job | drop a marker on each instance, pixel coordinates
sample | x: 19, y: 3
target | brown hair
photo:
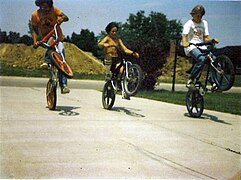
x: 110, y: 26
x: 198, y: 9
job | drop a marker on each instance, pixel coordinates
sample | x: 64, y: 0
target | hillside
x: 20, y: 55
x: 182, y: 65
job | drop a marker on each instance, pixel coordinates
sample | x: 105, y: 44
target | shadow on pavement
x: 128, y: 111
x: 67, y: 110
x: 214, y: 118
x: 210, y: 117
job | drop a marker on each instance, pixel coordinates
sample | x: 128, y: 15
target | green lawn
x: 222, y: 102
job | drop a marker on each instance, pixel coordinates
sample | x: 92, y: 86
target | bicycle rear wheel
x: 108, y: 96
x: 132, y: 83
x: 194, y: 103
x: 51, y: 95
x: 60, y: 65
x: 225, y: 79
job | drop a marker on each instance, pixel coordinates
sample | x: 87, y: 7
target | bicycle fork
x: 220, y: 70
x: 212, y: 61
x: 53, y: 75
x: 127, y: 69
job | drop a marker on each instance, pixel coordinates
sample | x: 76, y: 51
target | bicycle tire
x: 108, y: 96
x: 51, y: 95
x: 132, y: 83
x: 225, y: 80
x: 60, y: 65
x: 194, y: 103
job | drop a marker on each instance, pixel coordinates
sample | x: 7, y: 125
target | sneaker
x: 190, y: 84
x: 214, y: 88
x: 65, y: 90
x: 44, y: 65
x: 125, y: 96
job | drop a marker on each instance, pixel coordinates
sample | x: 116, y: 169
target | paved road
x: 137, y: 139
x: 84, y: 84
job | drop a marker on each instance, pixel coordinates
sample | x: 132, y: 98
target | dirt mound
x: 20, y: 55
x: 182, y: 65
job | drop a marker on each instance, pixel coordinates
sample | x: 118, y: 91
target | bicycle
x: 220, y: 70
x: 129, y: 80
x: 58, y: 63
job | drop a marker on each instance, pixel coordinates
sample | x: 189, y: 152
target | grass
x: 18, y: 71
x: 222, y: 102
x: 237, y: 81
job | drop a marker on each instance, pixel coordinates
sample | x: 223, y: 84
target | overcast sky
x: 224, y: 17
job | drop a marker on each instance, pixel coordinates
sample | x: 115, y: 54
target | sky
x: 224, y: 17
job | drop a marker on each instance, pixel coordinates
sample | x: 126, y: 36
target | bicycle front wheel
x: 194, y: 103
x: 224, y: 77
x: 60, y: 65
x: 132, y: 82
x: 108, y: 96
x: 51, y: 95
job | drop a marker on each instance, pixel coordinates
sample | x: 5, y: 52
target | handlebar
x: 53, y: 42
x: 206, y: 43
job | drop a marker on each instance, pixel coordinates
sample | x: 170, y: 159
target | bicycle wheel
x: 132, y: 83
x: 51, y: 95
x: 60, y: 65
x: 108, y: 96
x: 225, y: 78
x: 194, y: 103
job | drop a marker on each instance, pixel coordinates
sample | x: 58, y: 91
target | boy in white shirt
x: 195, y: 31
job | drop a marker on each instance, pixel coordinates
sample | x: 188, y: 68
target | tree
x: 13, y: 37
x: 150, y: 36
x: 3, y: 37
x: 25, y: 39
x: 30, y: 27
x: 86, y: 40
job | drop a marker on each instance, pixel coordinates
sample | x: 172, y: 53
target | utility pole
x: 175, y: 64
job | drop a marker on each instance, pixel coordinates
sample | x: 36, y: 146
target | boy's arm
x: 128, y: 51
x: 34, y: 33
x: 104, y: 43
x: 62, y: 18
x: 185, y: 42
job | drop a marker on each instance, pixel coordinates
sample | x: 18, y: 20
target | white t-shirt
x: 195, y: 32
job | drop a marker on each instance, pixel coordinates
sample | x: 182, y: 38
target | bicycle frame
x: 51, y: 40
x: 209, y: 61
x: 116, y: 72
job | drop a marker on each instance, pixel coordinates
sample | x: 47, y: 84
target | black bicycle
x: 129, y: 80
x: 220, y: 71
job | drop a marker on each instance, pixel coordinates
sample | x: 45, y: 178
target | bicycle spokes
x: 132, y: 80
x: 51, y: 95
x: 108, y: 95
x: 194, y: 103
x: 224, y: 77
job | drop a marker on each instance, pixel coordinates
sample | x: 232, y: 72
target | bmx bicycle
x: 58, y: 63
x: 220, y: 71
x: 129, y: 81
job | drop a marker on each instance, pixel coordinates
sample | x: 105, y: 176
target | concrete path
x: 138, y: 139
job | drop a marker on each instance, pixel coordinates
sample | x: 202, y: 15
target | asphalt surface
x: 137, y: 139
x: 85, y: 84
